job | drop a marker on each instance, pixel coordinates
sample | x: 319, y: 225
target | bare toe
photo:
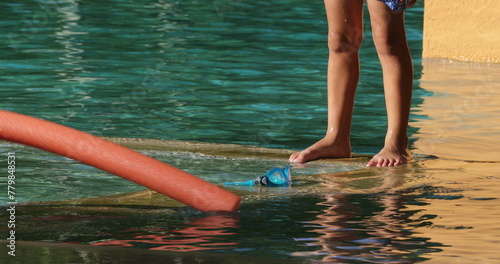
x: 294, y: 156
x: 298, y: 157
x: 389, y: 157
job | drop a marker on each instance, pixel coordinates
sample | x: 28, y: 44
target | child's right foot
x: 325, y: 148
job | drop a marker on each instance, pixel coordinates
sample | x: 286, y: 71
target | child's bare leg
x: 345, y: 34
x: 392, y: 48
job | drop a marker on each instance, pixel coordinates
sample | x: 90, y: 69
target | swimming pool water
x: 209, y: 71
x: 251, y: 73
x: 223, y: 71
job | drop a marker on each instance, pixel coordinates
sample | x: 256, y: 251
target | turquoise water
x: 251, y: 73
x: 209, y: 71
x: 223, y: 71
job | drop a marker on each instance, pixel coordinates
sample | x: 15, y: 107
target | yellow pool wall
x: 462, y: 30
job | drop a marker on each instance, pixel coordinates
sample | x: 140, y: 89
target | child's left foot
x: 390, y: 156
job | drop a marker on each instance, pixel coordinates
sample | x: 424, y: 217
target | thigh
x: 345, y: 20
x: 387, y: 25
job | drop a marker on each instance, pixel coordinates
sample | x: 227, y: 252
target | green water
x: 251, y: 73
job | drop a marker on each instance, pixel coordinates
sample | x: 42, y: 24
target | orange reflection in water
x: 462, y: 128
x: 201, y: 234
x: 463, y: 111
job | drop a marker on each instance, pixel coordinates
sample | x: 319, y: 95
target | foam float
x: 118, y: 160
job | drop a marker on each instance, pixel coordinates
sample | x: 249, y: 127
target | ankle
x: 399, y: 140
x: 335, y: 135
x: 337, y: 141
x: 337, y: 147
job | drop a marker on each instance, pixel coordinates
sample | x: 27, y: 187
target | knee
x: 340, y: 42
x: 387, y: 44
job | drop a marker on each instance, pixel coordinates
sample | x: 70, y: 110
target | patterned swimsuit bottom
x: 395, y: 4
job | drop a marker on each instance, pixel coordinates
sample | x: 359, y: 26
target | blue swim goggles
x: 276, y: 177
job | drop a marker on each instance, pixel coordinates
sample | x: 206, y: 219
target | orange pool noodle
x: 118, y: 160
